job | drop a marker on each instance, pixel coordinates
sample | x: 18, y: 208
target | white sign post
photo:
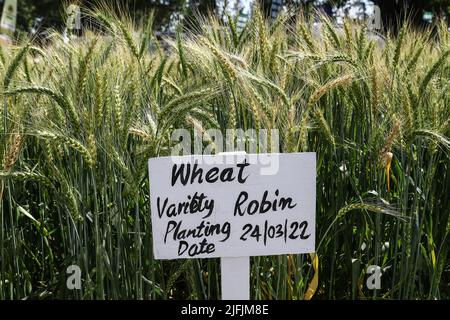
x: 235, y: 278
x: 233, y: 207
x: 235, y: 272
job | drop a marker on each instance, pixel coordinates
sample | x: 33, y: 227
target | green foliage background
x: 81, y: 118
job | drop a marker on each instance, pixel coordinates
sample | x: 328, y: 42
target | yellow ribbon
x: 388, y: 170
x: 315, y: 280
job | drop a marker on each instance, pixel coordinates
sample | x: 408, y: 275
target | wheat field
x: 81, y: 118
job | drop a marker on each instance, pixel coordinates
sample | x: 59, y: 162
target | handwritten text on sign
x: 229, y: 206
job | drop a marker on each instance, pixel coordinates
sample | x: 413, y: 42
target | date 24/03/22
x: 287, y: 230
x: 231, y: 310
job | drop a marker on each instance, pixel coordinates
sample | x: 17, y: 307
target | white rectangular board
x: 233, y: 206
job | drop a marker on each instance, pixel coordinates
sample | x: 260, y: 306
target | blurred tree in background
x: 392, y: 10
x: 50, y: 13
x: 28, y: 10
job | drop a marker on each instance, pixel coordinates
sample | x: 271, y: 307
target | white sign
x: 233, y: 206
